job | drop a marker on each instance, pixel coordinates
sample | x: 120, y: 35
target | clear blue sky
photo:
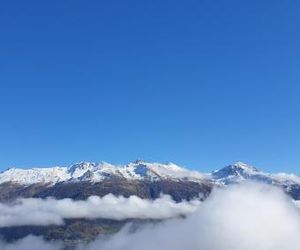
x: 200, y: 83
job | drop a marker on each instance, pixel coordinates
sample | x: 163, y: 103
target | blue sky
x: 199, y: 83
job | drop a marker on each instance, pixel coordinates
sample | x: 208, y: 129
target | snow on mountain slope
x: 239, y: 172
x: 35, y: 175
x: 96, y: 172
x: 142, y: 170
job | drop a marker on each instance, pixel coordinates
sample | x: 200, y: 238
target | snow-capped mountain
x: 141, y: 170
x: 140, y: 178
x: 143, y: 179
x: 96, y: 172
x: 240, y: 171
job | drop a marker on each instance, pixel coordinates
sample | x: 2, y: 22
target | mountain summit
x: 235, y: 172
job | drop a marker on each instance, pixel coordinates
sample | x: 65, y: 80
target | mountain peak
x: 244, y: 166
x: 237, y: 171
x: 80, y: 168
x: 139, y: 161
x: 137, y: 170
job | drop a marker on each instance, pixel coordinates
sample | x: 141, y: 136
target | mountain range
x: 141, y: 178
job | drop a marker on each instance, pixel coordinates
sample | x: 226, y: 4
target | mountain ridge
x: 141, y: 170
x: 136, y: 170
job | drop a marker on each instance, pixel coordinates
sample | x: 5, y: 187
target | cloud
x: 297, y: 203
x: 50, y: 211
x: 32, y: 243
x: 241, y: 217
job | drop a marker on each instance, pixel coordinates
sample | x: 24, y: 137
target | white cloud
x: 50, y: 211
x: 241, y: 217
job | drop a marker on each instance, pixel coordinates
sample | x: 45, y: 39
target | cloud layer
x: 50, y: 211
x: 241, y: 217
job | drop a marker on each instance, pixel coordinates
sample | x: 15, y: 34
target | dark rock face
x: 73, y: 230
x: 179, y: 190
x: 11, y: 191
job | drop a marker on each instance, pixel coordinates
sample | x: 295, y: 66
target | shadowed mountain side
x: 178, y: 190
x: 74, y: 231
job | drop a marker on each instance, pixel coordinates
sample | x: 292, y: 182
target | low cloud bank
x: 241, y: 217
x: 53, y: 212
